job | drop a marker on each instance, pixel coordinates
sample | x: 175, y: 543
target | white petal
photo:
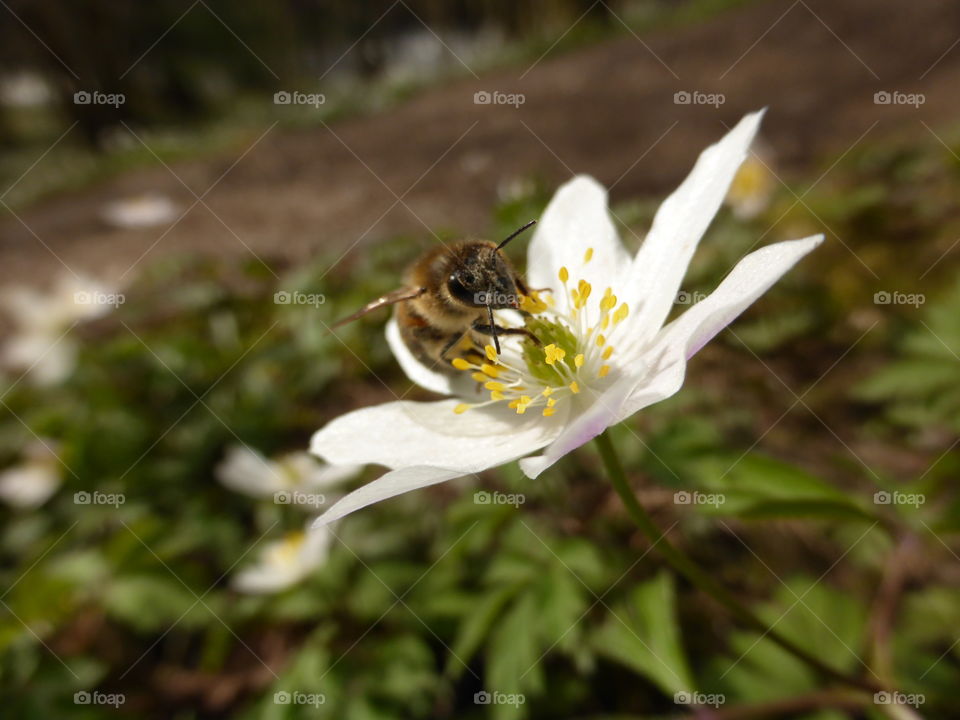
x: 246, y: 471
x: 576, y: 219
x: 405, y: 434
x: 393, y: 483
x: 29, y: 485
x: 617, y: 403
x: 427, y: 444
x: 660, y: 264
x: 414, y: 369
x: 751, y: 277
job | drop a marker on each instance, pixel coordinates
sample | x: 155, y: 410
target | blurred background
x: 191, y: 192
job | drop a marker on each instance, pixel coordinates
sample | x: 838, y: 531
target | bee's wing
x: 398, y: 295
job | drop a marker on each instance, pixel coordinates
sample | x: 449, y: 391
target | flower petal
x: 617, y: 403
x: 393, y: 483
x: 751, y: 277
x: 658, y: 269
x: 416, y: 370
x: 406, y: 434
x: 576, y: 219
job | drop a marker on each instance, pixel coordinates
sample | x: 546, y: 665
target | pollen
x: 496, y: 396
x: 491, y: 353
x: 547, y: 392
x: 607, y: 353
x: 578, y: 360
x: 588, y: 256
x: 499, y: 387
x: 574, y: 387
x: 460, y: 364
x: 564, y: 274
x: 609, y: 301
x: 462, y: 408
x: 479, y: 377
x: 601, y: 341
x: 547, y: 412
x: 603, y: 371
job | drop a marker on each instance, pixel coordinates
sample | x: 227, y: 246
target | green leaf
x: 643, y: 634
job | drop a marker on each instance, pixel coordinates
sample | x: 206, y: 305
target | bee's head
x: 482, y: 277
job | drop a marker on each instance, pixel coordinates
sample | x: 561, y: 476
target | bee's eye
x: 460, y: 287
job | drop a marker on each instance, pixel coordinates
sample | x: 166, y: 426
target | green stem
x: 702, y: 579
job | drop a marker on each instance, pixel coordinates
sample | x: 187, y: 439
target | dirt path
x: 601, y: 110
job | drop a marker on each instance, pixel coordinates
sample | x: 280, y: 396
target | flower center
x: 573, y: 352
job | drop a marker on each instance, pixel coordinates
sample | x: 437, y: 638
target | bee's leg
x: 487, y: 329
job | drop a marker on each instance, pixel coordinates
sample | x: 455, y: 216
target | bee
x: 448, y: 299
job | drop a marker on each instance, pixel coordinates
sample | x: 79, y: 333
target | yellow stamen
x: 460, y: 364
x: 461, y: 408
x: 547, y: 412
x: 491, y: 353
x: 551, y: 402
x: 574, y: 387
x: 609, y: 301
x: 608, y: 352
x: 621, y: 313
x: 603, y: 371
x: 547, y: 392
x: 499, y: 387
x: 479, y: 377
x: 496, y: 395
x: 564, y: 274
x: 491, y: 370
x: 587, y: 256
x: 578, y: 360
x: 552, y: 353
x: 601, y: 340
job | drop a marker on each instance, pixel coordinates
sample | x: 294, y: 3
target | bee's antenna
x: 513, y: 235
x: 493, y: 327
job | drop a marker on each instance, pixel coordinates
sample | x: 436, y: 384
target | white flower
x: 31, y: 483
x: 140, y: 211
x: 606, y: 354
x: 285, y: 562
x: 247, y: 471
x: 41, y: 343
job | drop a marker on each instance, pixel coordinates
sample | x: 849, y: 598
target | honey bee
x: 448, y: 299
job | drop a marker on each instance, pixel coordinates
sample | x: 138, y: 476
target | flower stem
x: 699, y: 577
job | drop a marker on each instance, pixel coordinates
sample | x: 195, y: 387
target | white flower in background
x: 753, y: 185
x: 41, y: 342
x: 283, y: 563
x: 140, y: 211
x: 298, y: 474
x: 31, y: 483
x: 606, y: 353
